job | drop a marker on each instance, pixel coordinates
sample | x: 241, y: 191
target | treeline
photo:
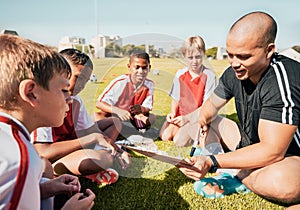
x: 114, y: 50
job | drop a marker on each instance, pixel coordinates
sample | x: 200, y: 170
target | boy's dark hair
x: 77, y: 57
x: 139, y: 54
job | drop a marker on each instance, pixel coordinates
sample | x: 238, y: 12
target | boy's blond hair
x: 193, y: 43
x: 22, y: 59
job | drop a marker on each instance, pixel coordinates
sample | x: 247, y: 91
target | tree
x: 129, y: 48
x: 211, y: 52
x: 113, y: 50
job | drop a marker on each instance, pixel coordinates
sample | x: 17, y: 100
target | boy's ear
x: 128, y: 65
x: 27, y: 89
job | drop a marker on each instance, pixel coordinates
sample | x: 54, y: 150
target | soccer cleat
x: 219, y: 186
x: 105, y: 177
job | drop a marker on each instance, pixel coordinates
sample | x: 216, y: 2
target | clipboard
x: 161, y: 157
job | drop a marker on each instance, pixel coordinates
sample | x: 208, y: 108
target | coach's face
x: 247, y: 57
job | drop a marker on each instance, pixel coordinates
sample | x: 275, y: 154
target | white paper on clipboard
x: 161, y: 157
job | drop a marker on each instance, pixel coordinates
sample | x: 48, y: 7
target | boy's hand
x: 65, y: 183
x: 170, y: 117
x: 80, y: 201
x: 135, y: 109
x: 106, y: 142
x: 124, y: 159
x: 180, y: 121
x: 122, y: 114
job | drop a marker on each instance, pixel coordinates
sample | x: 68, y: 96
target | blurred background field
x: 108, y: 68
x: 147, y: 183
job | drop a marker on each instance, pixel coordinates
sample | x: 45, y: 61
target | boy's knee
x: 165, y: 136
x: 117, y: 123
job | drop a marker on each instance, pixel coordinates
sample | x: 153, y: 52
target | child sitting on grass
x: 130, y: 96
x: 191, y: 87
x: 33, y: 93
x: 71, y: 147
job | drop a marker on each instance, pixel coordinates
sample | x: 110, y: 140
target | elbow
x: 98, y: 105
x: 276, y: 156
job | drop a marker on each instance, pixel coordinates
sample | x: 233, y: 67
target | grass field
x: 150, y: 184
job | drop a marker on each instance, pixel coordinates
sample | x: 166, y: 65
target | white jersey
x: 20, y: 167
x: 82, y: 121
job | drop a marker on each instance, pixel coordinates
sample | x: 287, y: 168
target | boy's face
x: 54, y: 102
x: 80, y: 76
x: 139, y: 69
x: 194, y: 59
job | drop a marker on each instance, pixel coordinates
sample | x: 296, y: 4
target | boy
x: 130, y: 96
x: 70, y: 147
x: 33, y: 93
x: 191, y: 87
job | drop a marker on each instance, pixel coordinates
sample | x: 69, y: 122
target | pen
x: 195, y: 144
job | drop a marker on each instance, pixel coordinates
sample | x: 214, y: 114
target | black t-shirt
x: 276, y: 97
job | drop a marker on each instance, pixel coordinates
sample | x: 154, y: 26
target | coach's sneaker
x: 219, y: 186
x: 105, y: 177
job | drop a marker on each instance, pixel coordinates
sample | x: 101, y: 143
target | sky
x: 47, y: 21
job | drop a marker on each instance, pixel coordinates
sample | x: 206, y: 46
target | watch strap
x: 215, y: 164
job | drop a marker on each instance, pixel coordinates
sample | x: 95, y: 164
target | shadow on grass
x: 141, y: 193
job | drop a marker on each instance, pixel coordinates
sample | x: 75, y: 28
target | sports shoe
x: 219, y: 186
x: 106, y: 177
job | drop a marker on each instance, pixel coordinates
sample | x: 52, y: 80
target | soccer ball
x: 93, y: 78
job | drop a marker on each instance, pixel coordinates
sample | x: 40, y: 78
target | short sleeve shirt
x: 122, y: 93
x: 77, y: 119
x: 276, y: 97
x: 190, y: 92
x: 20, y: 167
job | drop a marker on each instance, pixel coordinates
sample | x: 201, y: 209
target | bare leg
x: 279, y: 181
x: 185, y: 135
x: 48, y: 170
x: 294, y: 207
x: 227, y: 131
x: 83, y: 162
x: 111, y: 126
x: 168, y: 131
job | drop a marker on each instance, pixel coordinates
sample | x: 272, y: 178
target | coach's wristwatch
x: 215, y: 164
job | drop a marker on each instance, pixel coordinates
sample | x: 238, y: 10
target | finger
x: 204, y: 128
x: 190, y: 174
x: 113, y: 150
x: 77, y: 196
x: 189, y: 160
x: 90, y: 194
x: 121, y: 161
x: 91, y: 205
x: 78, y: 186
x: 126, y: 157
